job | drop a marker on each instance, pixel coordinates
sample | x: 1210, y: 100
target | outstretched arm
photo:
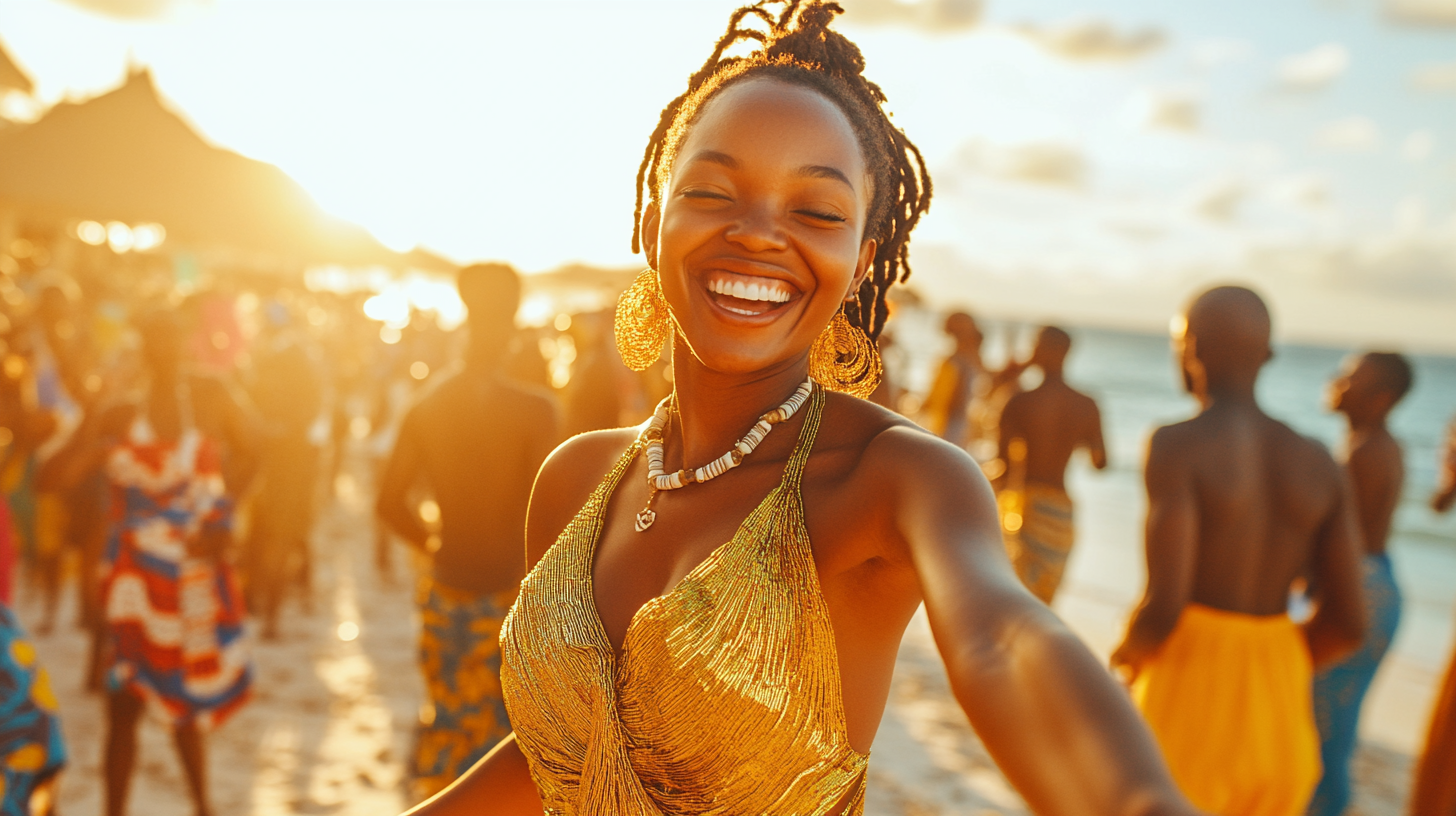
x: 1172, y: 553
x: 501, y: 781
x: 1055, y: 720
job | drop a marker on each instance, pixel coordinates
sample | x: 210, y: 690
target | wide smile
x: 752, y: 296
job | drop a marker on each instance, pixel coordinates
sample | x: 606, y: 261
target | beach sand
x: 329, y: 729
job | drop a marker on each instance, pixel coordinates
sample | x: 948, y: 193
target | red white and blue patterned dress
x: 175, y: 619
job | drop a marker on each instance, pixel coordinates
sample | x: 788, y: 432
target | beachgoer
x: 947, y: 409
x: 172, y: 610
x: 288, y: 393
x: 475, y: 440
x: 1039, y: 431
x: 719, y: 639
x: 1239, y: 508
x: 1434, y: 791
x: 1365, y: 392
x: 30, y: 732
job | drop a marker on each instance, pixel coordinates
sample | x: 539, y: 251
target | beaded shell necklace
x: 659, y: 479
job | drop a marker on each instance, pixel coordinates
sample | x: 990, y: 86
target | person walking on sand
x: 1365, y: 392
x: 171, y: 605
x: 1239, y: 508
x: 1434, y: 791
x: 475, y: 440
x: 1040, y: 429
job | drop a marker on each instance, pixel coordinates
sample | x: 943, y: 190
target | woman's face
x: 760, y: 234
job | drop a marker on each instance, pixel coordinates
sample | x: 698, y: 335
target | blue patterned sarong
x: 31, y: 749
x: 1340, y: 689
x: 460, y: 657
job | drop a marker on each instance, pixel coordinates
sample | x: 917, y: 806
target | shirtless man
x: 1040, y: 429
x: 1239, y: 508
x: 1365, y: 392
x: 476, y: 441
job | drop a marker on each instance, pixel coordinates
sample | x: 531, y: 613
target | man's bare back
x: 476, y: 440
x: 1260, y: 498
x: 1239, y: 505
x: 1052, y: 420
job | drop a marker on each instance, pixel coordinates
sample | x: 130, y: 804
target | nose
x: 757, y: 229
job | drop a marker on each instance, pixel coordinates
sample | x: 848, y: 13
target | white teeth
x: 750, y: 291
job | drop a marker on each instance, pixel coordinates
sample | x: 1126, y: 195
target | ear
x: 651, y: 220
x: 862, y: 266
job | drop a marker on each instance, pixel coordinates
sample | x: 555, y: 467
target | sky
x: 1094, y: 160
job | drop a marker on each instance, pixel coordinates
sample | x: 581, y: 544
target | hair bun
x: 802, y: 34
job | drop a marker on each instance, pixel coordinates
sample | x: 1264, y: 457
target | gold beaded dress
x: 726, y: 698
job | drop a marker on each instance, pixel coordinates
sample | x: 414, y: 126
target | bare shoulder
x: 585, y: 458
x: 565, y: 481
x: 1302, y: 453
x: 527, y: 397
x: 888, y: 447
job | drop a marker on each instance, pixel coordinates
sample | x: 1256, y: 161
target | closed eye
x: 823, y: 216
x: 704, y: 194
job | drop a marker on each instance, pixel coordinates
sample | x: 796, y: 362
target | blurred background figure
x: 593, y: 396
x: 1039, y: 430
x: 475, y: 442
x: 1434, y: 789
x: 947, y: 408
x: 1365, y: 392
x: 288, y: 394
x: 172, y: 606
x: 1239, y: 508
x: 30, y: 730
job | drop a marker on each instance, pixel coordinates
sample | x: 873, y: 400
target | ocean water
x: 1135, y: 380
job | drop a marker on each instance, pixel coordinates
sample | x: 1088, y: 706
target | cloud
x: 1353, y: 134
x: 1311, y: 191
x: 1174, y: 110
x: 1313, y: 69
x: 1418, y: 145
x: 934, y: 16
x: 135, y: 9
x: 1435, y: 76
x: 1218, y: 200
x: 1042, y: 163
x: 1092, y: 40
x: 1215, y: 53
x: 1422, y: 12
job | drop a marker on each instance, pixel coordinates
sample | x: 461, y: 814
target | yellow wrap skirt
x: 1229, y: 698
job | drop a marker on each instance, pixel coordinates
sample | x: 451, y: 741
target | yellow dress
x: 1230, y: 699
x: 726, y: 699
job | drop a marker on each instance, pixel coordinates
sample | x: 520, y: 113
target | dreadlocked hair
x: 796, y: 46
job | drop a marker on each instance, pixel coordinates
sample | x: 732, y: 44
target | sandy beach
x: 329, y: 728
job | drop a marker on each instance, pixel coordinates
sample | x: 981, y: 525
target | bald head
x: 1052, y: 345
x: 1226, y: 330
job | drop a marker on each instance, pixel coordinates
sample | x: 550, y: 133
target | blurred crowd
x: 166, y: 441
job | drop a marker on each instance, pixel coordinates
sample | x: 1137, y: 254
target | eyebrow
x: 820, y: 171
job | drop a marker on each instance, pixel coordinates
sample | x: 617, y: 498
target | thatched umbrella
x: 127, y: 156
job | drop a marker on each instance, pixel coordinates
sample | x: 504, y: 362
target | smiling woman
x: 728, y: 649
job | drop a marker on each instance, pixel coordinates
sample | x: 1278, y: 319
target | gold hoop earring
x: 643, y: 322
x: 844, y: 358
